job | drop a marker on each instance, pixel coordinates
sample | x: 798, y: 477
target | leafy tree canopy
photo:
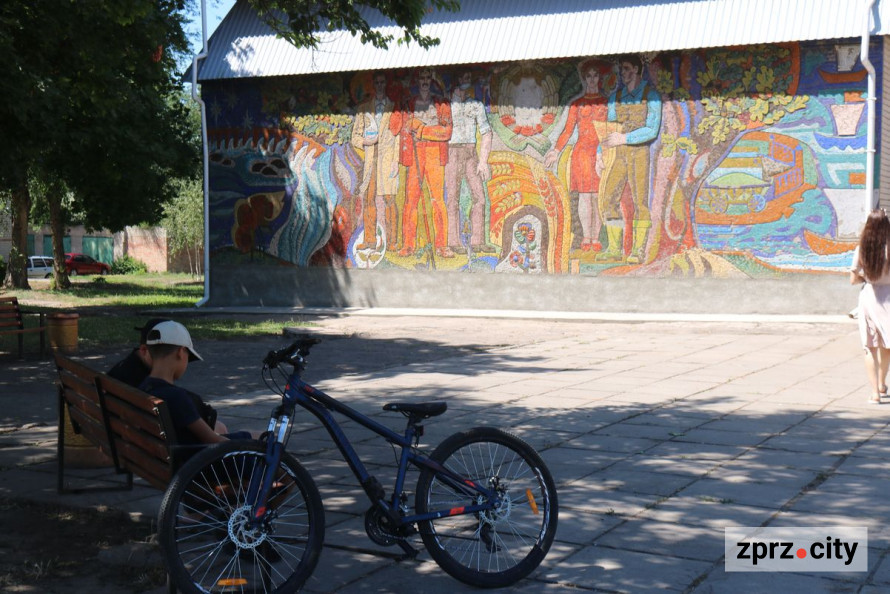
x: 87, y: 89
x: 300, y: 21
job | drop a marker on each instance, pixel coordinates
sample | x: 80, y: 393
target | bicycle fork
x: 262, y: 478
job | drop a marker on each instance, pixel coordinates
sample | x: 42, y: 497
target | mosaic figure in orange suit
x: 423, y: 150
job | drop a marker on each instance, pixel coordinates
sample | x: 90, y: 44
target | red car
x: 83, y: 264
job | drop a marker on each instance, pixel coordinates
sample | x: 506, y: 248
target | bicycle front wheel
x: 497, y: 547
x: 205, y: 532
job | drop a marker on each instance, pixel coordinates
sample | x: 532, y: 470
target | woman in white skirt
x: 871, y: 265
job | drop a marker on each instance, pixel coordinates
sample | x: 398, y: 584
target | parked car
x: 40, y: 267
x: 82, y: 264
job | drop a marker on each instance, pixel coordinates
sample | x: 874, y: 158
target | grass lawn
x: 111, y: 306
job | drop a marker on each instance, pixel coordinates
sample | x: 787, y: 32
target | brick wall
x: 147, y: 245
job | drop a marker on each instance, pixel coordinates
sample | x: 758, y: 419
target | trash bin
x: 61, y: 328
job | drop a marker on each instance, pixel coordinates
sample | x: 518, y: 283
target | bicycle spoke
x: 209, y: 533
x: 509, y: 537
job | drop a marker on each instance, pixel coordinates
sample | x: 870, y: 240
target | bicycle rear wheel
x: 498, y: 547
x: 204, y: 533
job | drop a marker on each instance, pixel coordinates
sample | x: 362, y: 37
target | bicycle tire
x: 498, y: 548
x: 202, y: 524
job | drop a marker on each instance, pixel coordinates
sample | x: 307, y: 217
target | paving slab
x: 659, y: 434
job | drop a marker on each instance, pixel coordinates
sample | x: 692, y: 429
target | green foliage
x: 184, y: 220
x: 668, y: 88
x: 2, y: 267
x: 300, y: 21
x: 671, y: 144
x: 128, y: 265
x: 184, y: 215
x: 102, y: 118
x: 745, y: 90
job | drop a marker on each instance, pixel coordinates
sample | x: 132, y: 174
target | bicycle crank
x: 380, y: 530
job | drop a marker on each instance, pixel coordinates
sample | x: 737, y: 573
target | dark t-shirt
x: 131, y: 370
x: 183, y: 412
x: 181, y: 406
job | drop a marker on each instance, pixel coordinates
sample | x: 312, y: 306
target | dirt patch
x: 54, y: 549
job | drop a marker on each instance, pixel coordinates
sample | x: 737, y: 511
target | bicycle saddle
x: 424, y: 410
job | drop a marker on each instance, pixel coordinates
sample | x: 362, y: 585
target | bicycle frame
x: 321, y: 405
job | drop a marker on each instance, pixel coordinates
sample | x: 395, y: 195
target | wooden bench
x: 132, y: 428
x: 12, y: 322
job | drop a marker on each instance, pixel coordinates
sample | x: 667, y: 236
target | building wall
x: 740, y: 164
x: 148, y: 245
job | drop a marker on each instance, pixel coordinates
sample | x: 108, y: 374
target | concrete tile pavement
x: 659, y: 434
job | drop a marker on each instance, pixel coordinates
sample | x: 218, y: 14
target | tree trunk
x: 17, y: 271
x: 57, y: 224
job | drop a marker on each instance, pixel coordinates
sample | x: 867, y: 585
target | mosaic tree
x: 737, y: 92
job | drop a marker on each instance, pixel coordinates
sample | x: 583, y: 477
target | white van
x: 40, y: 267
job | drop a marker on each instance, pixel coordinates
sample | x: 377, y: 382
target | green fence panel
x: 100, y: 248
x: 48, y: 245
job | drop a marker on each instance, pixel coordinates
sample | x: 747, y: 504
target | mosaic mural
x: 730, y: 162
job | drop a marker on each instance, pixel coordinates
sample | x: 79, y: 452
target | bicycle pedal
x: 410, y: 552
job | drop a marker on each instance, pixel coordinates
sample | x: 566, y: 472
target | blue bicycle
x: 245, y: 516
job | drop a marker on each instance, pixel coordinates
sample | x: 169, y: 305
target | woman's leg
x: 883, y: 366
x: 873, y: 369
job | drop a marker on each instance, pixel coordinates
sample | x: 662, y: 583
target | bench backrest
x: 140, y: 430
x: 77, y: 386
x: 10, y: 314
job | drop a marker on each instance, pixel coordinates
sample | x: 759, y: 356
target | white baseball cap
x: 174, y: 333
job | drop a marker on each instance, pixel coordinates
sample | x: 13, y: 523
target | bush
x: 2, y: 269
x: 128, y: 265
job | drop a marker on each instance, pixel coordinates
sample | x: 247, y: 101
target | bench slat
x: 152, y: 443
x: 85, y: 389
x: 89, y: 403
x: 141, y: 429
x: 91, y: 430
x: 134, y: 459
x: 12, y: 323
x: 79, y: 391
x: 133, y: 427
x: 76, y: 369
x: 146, y: 421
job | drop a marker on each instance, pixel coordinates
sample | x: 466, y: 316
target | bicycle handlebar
x: 292, y: 354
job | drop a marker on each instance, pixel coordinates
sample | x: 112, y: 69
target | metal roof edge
x: 487, y: 31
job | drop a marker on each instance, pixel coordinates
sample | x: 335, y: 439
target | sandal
x: 875, y: 399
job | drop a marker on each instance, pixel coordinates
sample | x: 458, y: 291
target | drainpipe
x: 870, y: 134
x: 205, y: 150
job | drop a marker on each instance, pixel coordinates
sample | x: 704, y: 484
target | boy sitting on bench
x: 171, y: 350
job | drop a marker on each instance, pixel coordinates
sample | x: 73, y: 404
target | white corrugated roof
x: 508, y: 30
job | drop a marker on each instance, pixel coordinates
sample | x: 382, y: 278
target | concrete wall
x: 275, y: 286
x: 571, y: 183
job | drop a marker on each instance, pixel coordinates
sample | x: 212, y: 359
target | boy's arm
x: 204, y: 433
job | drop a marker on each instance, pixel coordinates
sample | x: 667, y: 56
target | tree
x: 51, y: 204
x: 86, y: 89
x: 86, y: 103
x: 300, y: 21
x: 184, y: 221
